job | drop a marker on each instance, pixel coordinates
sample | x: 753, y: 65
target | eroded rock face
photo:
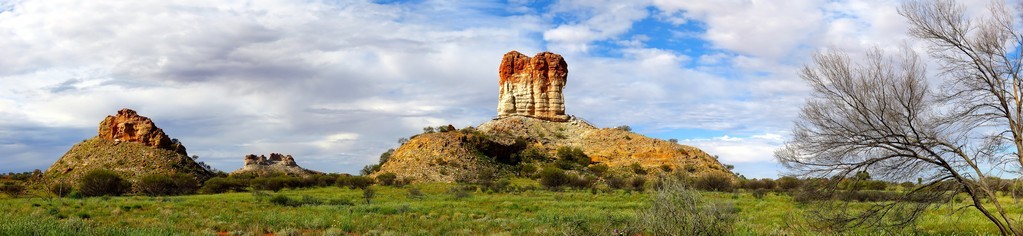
x: 129, y: 126
x: 275, y: 164
x: 532, y: 87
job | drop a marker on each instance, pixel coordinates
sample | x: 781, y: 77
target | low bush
x: 156, y: 185
x: 368, y: 194
x: 12, y: 189
x: 415, y: 193
x: 61, y: 189
x: 788, y: 183
x: 103, y: 183
x: 354, y: 182
x: 161, y: 185
x: 223, y: 185
x: 637, y: 183
x: 616, y: 182
x: 677, y: 210
x: 553, y: 178
x: 581, y: 182
x: 387, y: 179
x: 638, y: 169
x: 714, y: 181
x: 759, y: 193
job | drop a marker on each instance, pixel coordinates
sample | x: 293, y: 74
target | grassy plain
x: 392, y: 211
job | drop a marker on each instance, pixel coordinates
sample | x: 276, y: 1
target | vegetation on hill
x: 131, y: 161
x: 533, y: 148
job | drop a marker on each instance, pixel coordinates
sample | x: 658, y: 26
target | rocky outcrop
x: 532, y: 87
x: 129, y: 126
x: 276, y: 164
x: 613, y: 147
x: 530, y: 99
x: 130, y: 145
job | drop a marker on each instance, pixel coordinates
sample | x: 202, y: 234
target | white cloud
x: 732, y: 150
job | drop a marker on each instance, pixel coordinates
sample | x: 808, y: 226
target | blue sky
x: 335, y: 83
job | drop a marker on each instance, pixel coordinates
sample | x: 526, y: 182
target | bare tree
x: 881, y: 116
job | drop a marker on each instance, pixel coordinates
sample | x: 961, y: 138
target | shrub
x: 759, y: 193
x: 714, y: 181
x: 156, y: 185
x: 459, y: 192
x: 12, y: 189
x: 282, y: 200
x: 581, y: 182
x: 354, y: 182
x: 387, y: 179
x: 61, y: 189
x: 599, y: 169
x: 415, y: 193
x: 637, y: 183
x: 676, y: 210
x: 788, y: 183
x: 102, y: 183
x: 616, y: 182
x: 223, y: 185
x: 368, y: 193
x: 553, y: 178
x: 624, y: 128
x: 574, y: 155
x: 638, y: 169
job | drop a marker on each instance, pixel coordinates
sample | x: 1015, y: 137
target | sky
x: 336, y: 83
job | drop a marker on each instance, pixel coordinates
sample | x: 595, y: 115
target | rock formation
x: 276, y: 164
x: 530, y: 98
x: 532, y: 87
x: 129, y: 126
x: 130, y: 145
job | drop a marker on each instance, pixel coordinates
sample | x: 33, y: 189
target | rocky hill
x: 276, y: 164
x: 532, y: 122
x: 129, y: 144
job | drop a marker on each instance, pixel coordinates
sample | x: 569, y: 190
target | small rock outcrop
x: 129, y: 126
x: 276, y: 164
x: 130, y: 145
x: 532, y: 87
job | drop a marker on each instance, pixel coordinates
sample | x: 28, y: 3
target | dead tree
x: 880, y: 115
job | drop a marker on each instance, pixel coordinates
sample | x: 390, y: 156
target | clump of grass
x: 678, y: 210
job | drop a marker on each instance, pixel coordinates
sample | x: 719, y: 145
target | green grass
x: 392, y: 212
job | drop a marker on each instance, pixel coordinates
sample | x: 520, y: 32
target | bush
x: 677, y: 210
x: 637, y: 183
x: 354, y: 182
x: 415, y: 193
x: 553, y: 178
x: 156, y: 185
x: 459, y: 192
x: 12, y: 189
x: 573, y: 155
x: 788, y: 183
x: 714, y: 181
x: 616, y: 182
x: 387, y: 179
x: 61, y: 189
x: 102, y: 183
x: 599, y: 169
x: 759, y: 193
x: 368, y: 193
x: 275, y: 183
x: 638, y: 169
x: 223, y: 185
x: 581, y: 182
x: 624, y: 128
